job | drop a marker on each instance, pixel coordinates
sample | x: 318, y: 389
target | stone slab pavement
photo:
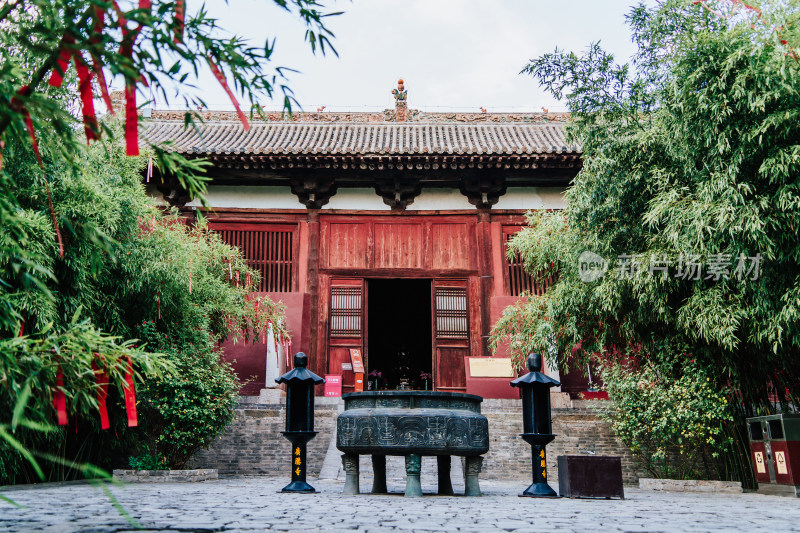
x: 247, y: 504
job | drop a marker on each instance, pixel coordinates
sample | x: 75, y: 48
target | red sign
x: 358, y: 362
x: 359, y: 383
x: 333, y: 385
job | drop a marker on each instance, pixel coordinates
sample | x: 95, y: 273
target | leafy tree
x: 691, y: 158
x: 59, y: 293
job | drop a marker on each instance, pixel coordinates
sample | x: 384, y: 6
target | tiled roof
x: 365, y: 137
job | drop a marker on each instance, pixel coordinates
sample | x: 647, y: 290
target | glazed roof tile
x: 430, y: 134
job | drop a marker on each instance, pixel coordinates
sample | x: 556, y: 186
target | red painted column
x: 485, y: 254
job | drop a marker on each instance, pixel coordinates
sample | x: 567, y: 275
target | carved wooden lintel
x: 313, y: 191
x: 483, y: 192
x: 174, y: 193
x: 398, y: 193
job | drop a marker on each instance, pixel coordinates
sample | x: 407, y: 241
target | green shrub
x: 674, y: 427
x: 147, y: 462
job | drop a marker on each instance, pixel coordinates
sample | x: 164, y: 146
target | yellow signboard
x: 490, y: 367
x: 780, y: 460
x: 760, y: 463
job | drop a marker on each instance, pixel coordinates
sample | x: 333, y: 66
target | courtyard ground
x: 254, y: 504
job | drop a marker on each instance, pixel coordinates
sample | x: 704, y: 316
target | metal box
x: 775, y: 451
x: 590, y: 476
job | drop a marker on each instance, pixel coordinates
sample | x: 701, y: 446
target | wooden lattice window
x: 451, y: 313
x: 269, y: 249
x: 518, y: 280
x: 346, y: 305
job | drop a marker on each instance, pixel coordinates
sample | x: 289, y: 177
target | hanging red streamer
x: 180, y: 20
x: 87, y: 98
x: 60, y: 399
x: 131, y: 121
x: 126, y: 50
x: 16, y: 104
x: 57, y: 77
x: 53, y: 215
x: 99, y: 25
x: 102, y: 395
x: 222, y: 81
x: 22, y: 327
x: 130, y: 396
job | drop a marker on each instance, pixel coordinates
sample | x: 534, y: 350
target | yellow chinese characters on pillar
x: 297, y: 451
x: 543, y: 464
x: 297, y: 471
x: 541, y: 454
x: 297, y: 461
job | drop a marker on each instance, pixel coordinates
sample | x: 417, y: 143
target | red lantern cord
x: 102, y: 395
x: 130, y: 396
x: 60, y: 399
x: 180, y: 20
x: 222, y: 81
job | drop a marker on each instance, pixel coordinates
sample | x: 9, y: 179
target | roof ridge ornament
x: 400, y: 102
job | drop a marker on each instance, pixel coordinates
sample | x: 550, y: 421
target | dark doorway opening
x: 399, y: 333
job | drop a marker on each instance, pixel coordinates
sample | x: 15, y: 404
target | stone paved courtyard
x: 253, y: 504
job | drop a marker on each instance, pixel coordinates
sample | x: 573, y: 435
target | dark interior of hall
x: 399, y: 332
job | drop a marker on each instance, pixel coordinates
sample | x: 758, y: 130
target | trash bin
x: 775, y: 449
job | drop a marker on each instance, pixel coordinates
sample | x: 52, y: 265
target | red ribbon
x: 53, y: 215
x: 22, y: 327
x: 180, y: 18
x: 60, y: 399
x: 131, y: 114
x: 222, y: 81
x: 131, y: 121
x: 87, y: 98
x: 130, y: 396
x: 99, y: 24
x: 102, y: 395
x: 57, y: 77
x: 16, y: 104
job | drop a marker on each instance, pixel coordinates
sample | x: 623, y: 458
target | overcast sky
x: 452, y: 54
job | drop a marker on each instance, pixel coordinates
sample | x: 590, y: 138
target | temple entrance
x: 399, y: 333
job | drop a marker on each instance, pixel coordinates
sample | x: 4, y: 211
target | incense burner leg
x: 379, y: 474
x: 350, y: 465
x: 413, y: 469
x: 443, y: 467
x: 471, y: 471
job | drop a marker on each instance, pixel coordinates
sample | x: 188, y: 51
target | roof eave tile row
x: 377, y: 139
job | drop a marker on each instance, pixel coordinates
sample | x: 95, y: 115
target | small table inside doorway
x: 412, y: 424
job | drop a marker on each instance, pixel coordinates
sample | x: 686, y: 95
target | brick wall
x: 253, y: 443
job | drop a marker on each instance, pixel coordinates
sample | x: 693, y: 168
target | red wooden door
x: 451, y: 333
x: 345, y: 327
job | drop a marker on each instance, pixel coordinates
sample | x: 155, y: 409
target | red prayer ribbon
x: 53, y: 215
x: 180, y: 18
x: 222, y: 81
x: 102, y: 395
x: 60, y: 399
x: 87, y: 98
x: 130, y: 396
x: 57, y: 77
x: 131, y: 121
x: 99, y: 24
